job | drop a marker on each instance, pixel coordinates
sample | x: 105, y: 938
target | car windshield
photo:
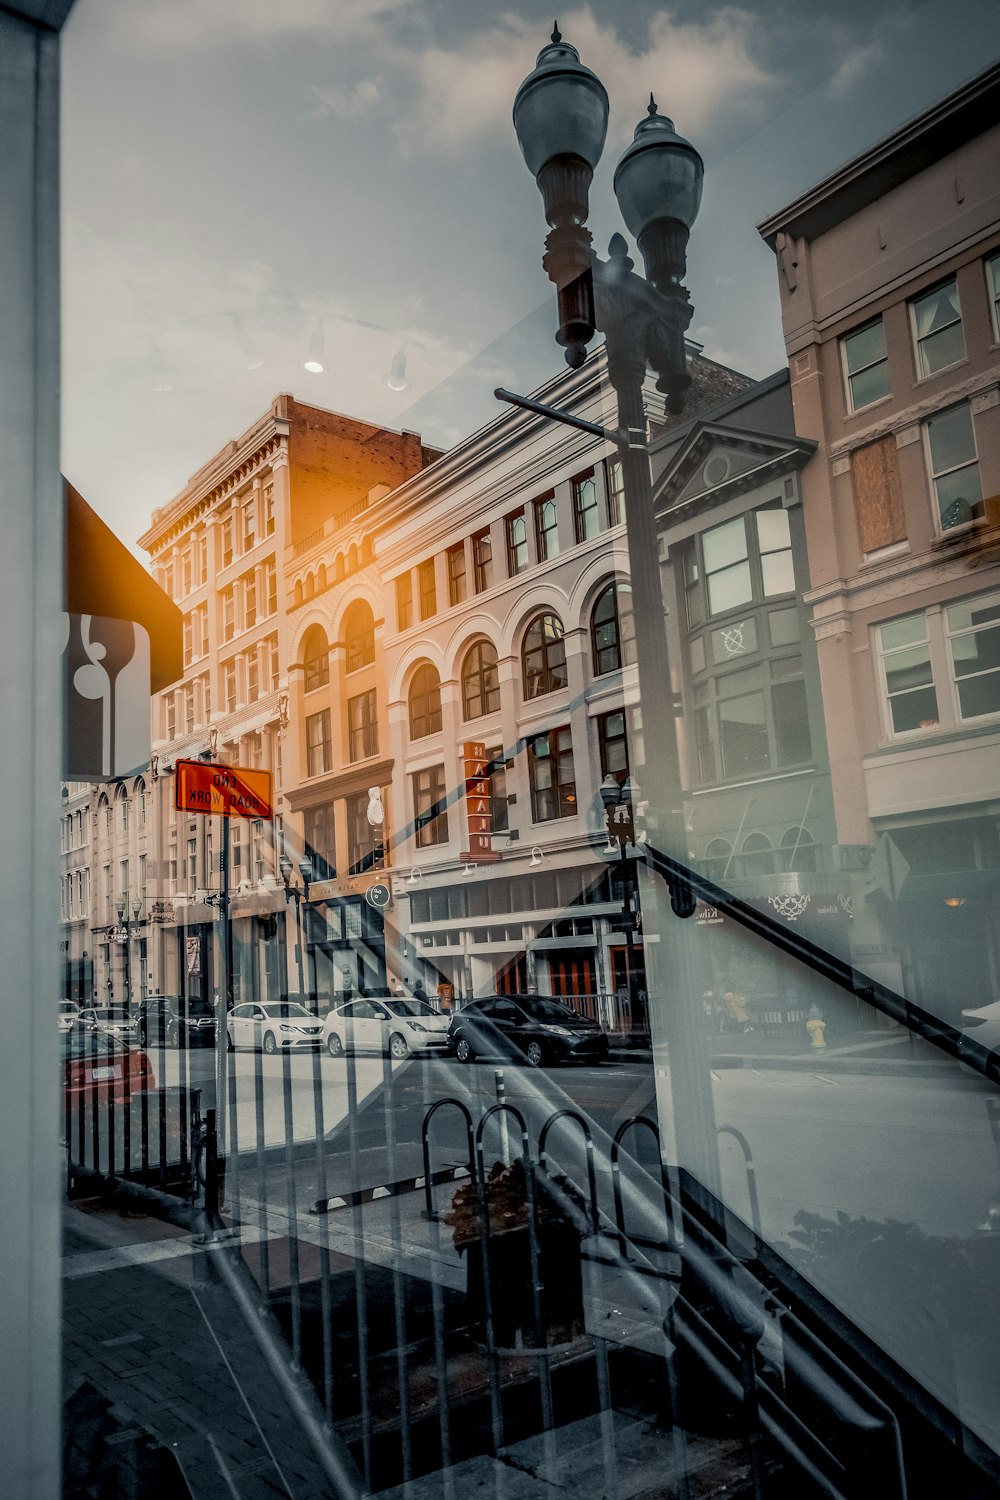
x: 410, y: 1008
x: 116, y: 1015
x: 547, y: 1010
x: 84, y: 1044
x: 286, y: 1010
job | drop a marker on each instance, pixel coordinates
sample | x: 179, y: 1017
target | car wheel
x: 534, y: 1053
x: 270, y: 1045
x: 143, y: 1036
x: 334, y: 1045
x: 172, y: 1037
x: 398, y: 1046
x: 463, y: 1051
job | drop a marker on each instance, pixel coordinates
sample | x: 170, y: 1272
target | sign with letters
x: 222, y: 791
x: 478, y: 802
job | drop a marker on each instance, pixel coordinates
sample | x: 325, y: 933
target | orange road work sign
x: 225, y: 791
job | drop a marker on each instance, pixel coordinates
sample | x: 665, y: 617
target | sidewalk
x: 848, y: 1051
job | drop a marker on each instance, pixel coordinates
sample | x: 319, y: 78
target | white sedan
x: 398, y: 1027
x: 275, y: 1025
x: 68, y: 1012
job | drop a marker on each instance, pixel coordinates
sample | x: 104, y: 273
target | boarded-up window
x: 878, y: 494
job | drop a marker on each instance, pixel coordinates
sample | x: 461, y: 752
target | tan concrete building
x: 229, y: 549
x: 889, y: 275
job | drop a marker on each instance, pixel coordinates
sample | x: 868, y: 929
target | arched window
x: 543, y: 656
x: 480, y: 681
x: 717, y: 857
x: 425, y: 702
x: 757, y: 855
x: 612, y: 629
x: 359, y: 636
x: 316, y: 659
x: 798, y: 852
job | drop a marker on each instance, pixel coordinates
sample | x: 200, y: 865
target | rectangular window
x: 428, y: 589
x: 937, y: 328
x: 188, y: 635
x: 171, y: 708
x: 616, y: 491
x: 229, y: 613
x: 271, y: 647
x: 743, y: 733
x: 268, y: 528
x: 168, y: 580
x: 775, y: 545
x: 586, y: 522
x: 362, y: 725
x: 404, y: 601
x: 546, y: 527
x: 866, y: 365
x: 498, y: 789
x: 202, y: 548
x: 192, y: 866
x: 360, y: 835
x: 249, y: 600
x: 249, y: 534
x: 430, y: 815
x: 187, y: 571
x: 550, y: 770
x: 974, y: 637
x: 271, y: 586
x: 727, y: 566
x: 456, y: 574
x: 227, y: 541
x: 318, y: 747
x: 792, y: 739
x: 253, y: 676
x: 906, y: 667
x: 954, y: 464
x: 993, y: 291
x: 229, y: 684
x: 318, y: 831
x: 482, y: 560
x: 612, y: 737
x: 188, y: 707
x: 516, y: 528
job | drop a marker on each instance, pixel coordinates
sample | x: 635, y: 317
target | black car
x: 168, y: 1020
x: 528, y: 1028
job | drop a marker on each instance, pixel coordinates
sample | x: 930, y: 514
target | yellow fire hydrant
x: 817, y: 1033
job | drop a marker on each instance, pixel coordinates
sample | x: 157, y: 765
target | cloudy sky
x: 240, y: 173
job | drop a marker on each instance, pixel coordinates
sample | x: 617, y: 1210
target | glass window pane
x: 908, y: 669
x: 951, y: 438
x: 980, y: 695
x: 870, y: 385
x: 865, y: 347
x: 939, y: 350
x: 777, y: 573
x: 974, y: 612
x: 734, y: 640
x: 783, y: 627
x: 724, y: 545
x: 730, y: 588
x: 772, y: 529
x: 979, y: 651
x: 903, y: 632
x: 916, y: 710
x: 791, y: 722
x: 743, y: 731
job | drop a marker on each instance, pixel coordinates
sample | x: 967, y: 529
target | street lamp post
x: 617, y: 799
x: 560, y: 116
x: 298, y: 894
x: 121, y: 906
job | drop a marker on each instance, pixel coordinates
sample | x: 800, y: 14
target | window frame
x: 484, y: 692
x: 582, y: 514
x: 457, y: 576
x: 892, y: 733
x: 919, y: 341
x: 561, y: 792
x: 359, y: 645
x: 850, y: 375
x: 976, y: 509
x: 950, y: 635
x: 625, y: 657
x: 546, y: 516
x: 430, y: 821
x: 427, y: 588
x: 404, y: 600
x: 991, y: 266
x: 518, y: 558
x: 363, y: 734
x: 316, y: 668
x: 545, y: 675
x: 429, y: 700
x: 605, y: 741
x: 482, y: 560
x: 319, y: 749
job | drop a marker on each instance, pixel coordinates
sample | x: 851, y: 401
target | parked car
x: 397, y: 1025
x: 275, y: 1025
x: 68, y: 1012
x: 167, y: 1020
x: 528, y: 1028
x: 97, y: 1066
x: 106, y: 1020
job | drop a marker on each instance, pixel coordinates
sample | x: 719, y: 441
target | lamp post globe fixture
x: 658, y: 184
x: 561, y: 121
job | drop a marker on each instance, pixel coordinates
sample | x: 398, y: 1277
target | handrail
x: 839, y: 971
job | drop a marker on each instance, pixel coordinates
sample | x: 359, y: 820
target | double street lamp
x: 121, y: 907
x: 617, y: 798
x: 298, y: 894
x: 561, y: 119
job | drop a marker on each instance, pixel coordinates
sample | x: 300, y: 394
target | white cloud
x: 699, y: 71
x: 346, y: 103
x: 852, y: 69
x: 192, y: 24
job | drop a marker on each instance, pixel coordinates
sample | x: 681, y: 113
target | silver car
x: 398, y: 1027
x: 274, y: 1025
